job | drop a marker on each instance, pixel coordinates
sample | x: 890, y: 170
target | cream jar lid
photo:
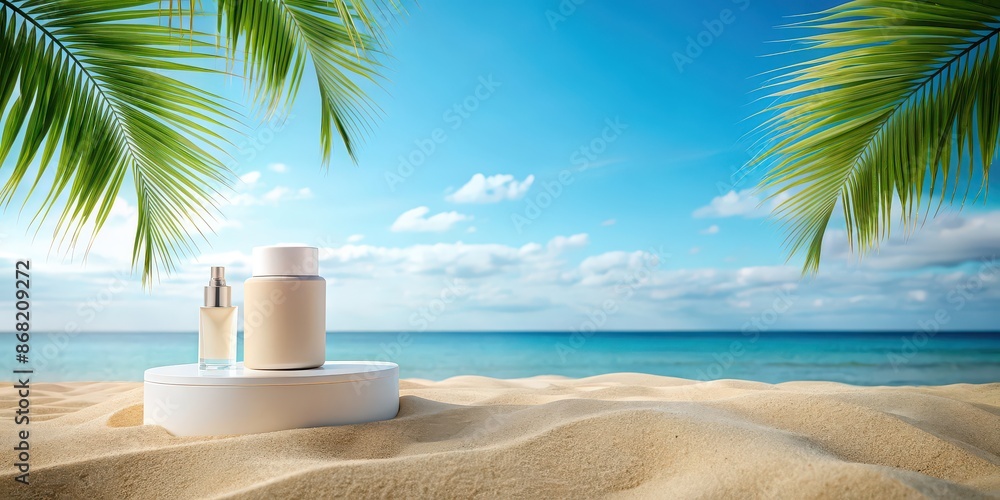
x: 285, y: 260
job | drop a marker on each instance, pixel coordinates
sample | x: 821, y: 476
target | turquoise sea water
x: 901, y: 358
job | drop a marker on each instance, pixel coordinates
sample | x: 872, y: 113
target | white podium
x: 187, y: 401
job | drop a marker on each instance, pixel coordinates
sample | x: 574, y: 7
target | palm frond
x: 341, y: 38
x: 93, y: 104
x: 93, y: 95
x: 899, y: 105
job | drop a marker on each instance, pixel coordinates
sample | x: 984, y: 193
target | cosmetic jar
x: 284, y: 310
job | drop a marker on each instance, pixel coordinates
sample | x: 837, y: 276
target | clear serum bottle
x: 217, y: 325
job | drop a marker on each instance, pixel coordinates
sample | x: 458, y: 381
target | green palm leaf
x: 340, y: 38
x: 94, y: 97
x: 899, y: 106
x: 93, y: 105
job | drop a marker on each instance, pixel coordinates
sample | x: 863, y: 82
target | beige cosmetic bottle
x: 217, y: 325
x: 284, y: 310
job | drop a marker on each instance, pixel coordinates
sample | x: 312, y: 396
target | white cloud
x: 694, y: 250
x: 225, y: 223
x: 243, y: 199
x: 482, y: 189
x: 122, y: 208
x: 457, y: 259
x: 232, y: 260
x: 745, y: 203
x: 250, y: 178
x: 558, y: 283
x: 947, y: 240
x: 354, y: 238
x: 613, y: 267
x: 560, y: 244
x: 609, y: 222
x: 250, y: 185
x: 713, y: 229
x: 278, y: 167
x: 274, y: 196
x: 415, y: 220
x: 540, y: 285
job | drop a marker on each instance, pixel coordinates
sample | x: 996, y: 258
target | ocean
x: 883, y: 358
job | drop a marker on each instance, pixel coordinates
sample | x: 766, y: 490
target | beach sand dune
x: 620, y: 435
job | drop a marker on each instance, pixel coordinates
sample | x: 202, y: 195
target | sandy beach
x: 625, y: 435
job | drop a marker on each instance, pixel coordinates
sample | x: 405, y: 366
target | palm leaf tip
x: 340, y: 39
x: 899, y: 107
x: 93, y: 107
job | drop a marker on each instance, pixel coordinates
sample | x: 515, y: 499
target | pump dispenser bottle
x: 217, y: 325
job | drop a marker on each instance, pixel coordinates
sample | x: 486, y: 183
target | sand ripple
x: 626, y: 435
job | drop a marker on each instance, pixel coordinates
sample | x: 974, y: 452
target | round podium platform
x: 187, y: 401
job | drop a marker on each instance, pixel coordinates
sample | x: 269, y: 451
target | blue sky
x: 624, y: 138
